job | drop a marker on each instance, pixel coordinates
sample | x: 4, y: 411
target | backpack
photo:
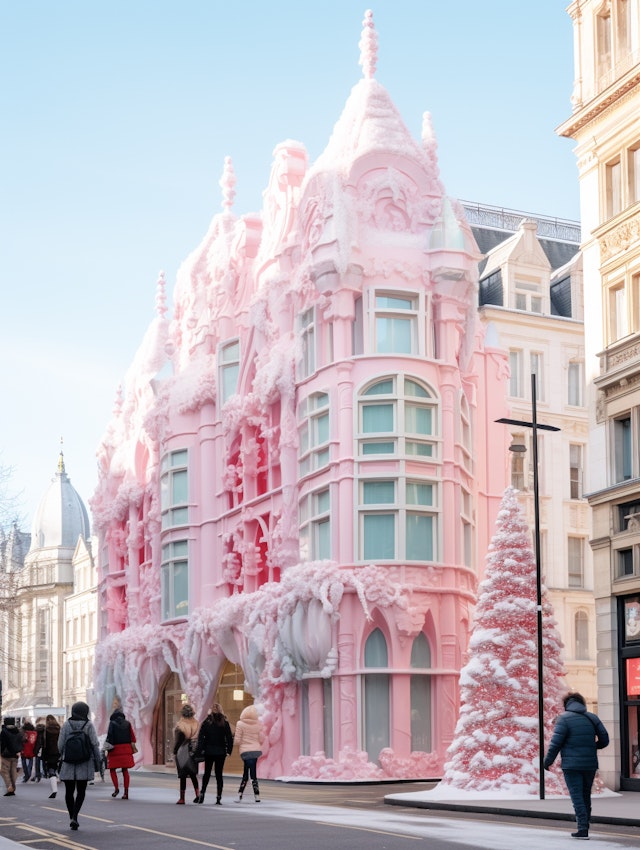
x: 77, y: 747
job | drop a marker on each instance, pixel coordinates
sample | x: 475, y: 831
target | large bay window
x: 397, y: 416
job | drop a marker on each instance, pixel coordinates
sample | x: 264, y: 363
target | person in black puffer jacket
x: 215, y: 741
x: 577, y: 736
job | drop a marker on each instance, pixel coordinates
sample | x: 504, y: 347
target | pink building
x: 299, y: 482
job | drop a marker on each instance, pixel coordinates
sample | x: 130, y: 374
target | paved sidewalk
x: 621, y: 808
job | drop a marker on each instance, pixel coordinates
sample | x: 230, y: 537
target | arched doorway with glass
x: 233, y: 698
x: 420, y: 694
x: 171, y: 698
x: 375, y: 695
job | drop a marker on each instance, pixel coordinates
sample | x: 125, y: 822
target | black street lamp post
x: 536, y: 426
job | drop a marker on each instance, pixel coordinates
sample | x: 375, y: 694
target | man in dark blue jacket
x: 577, y: 736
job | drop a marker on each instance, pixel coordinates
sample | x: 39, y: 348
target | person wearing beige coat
x: 248, y: 738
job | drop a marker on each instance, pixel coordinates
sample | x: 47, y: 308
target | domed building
x: 58, y: 563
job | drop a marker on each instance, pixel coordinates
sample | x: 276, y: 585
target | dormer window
x: 528, y: 296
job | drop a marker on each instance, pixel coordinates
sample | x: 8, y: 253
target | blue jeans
x: 27, y: 764
x: 579, y: 783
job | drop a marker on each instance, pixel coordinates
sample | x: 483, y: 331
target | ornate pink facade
x: 299, y: 482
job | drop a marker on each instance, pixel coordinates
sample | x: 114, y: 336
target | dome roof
x: 61, y: 516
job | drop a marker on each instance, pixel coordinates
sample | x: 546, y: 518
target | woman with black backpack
x: 80, y: 754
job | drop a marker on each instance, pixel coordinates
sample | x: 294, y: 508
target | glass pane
x: 179, y: 516
x: 377, y: 418
x: 417, y: 419
x: 419, y: 537
x: 420, y: 449
x: 394, y: 302
x: 421, y: 652
x: 421, y: 714
x: 379, y: 537
x: 179, y: 458
x: 322, y: 458
x: 179, y: 488
x: 411, y: 388
x: 180, y: 549
x: 164, y: 492
x: 322, y: 502
x: 393, y: 336
x: 320, y: 400
x: 327, y: 716
x: 378, y: 492
x: 387, y: 448
x: 376, y: 714
x: 322, y: 429
x: 381, y: 388
x: 419, y: 494
x: 181, y: 588
x: 375, y: 650
x: 231, y: 352
x: 323, y: 540
x: 230, y: 380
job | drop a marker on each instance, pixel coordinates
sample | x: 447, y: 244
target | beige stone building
x: 606, y: 127
x: 531, y: 300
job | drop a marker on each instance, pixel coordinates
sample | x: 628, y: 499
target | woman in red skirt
x: 119, y: 744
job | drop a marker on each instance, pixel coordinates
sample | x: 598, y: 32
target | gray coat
x: 86, y: 769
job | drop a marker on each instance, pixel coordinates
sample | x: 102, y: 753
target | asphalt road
x: 290, y: 817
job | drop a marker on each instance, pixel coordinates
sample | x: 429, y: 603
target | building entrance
x: 233, y: 699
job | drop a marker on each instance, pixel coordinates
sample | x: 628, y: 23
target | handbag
x: 134, y: 748
x: 107, y: 746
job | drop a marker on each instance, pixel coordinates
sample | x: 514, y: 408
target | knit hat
x: 187, y: 711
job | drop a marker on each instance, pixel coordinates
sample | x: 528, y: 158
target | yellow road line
x: 366, y: 829
x: 53, y: 837
x: 177, y: 837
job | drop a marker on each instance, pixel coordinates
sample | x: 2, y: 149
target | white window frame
x: 314, y: 432
x: 174, y: 469
x: 229, y: 371
x: 307, y: 322
x: 528, y: 296
x: 516, y: 383
x: 399, y: 506
x: 415, y: 401
x: 315, y: 526
x: 575, y: 384
x: 401, y: 307
x: 536, y: 363
x: 575, y: 562
x: 175, y: 564
x: 576, y: 466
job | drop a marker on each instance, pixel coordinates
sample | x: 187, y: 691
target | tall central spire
x: 368, y: 46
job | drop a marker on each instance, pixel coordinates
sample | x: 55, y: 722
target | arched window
x: 376, y: 695
x: 582, y: 636
x: 420, y: 695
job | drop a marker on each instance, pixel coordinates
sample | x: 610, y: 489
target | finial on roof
x: 368, y: 46
x: 161, y: 297
x: 227, y: 184
x: 61, y: 458
x: 428, y: 136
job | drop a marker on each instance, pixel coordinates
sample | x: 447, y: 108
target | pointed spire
x: 368, y: 46
x: 161, y: 297
x: 227, y: 184
x: 61, y: 468
x: 428, y: 136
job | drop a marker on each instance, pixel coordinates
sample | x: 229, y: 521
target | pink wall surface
x: 347, y: 486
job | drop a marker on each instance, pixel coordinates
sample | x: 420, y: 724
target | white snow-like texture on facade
x: 496, y: 739
x: 249, y: 420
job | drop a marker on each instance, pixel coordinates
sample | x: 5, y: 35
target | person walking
x: 216, y: 742
x: 37, y: 763
x: 249, y: 737
x: 10, y: 749
x: 577, y: 736
x: 51, y: 753
x: 29, y: 741
x: 78, y: 745
x: 119, y: 746
x: 184, y: 744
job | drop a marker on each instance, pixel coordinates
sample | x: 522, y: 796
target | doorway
x: 233, y: 698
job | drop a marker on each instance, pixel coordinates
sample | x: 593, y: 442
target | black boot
x: 256, y: 790
x: 243, y: 785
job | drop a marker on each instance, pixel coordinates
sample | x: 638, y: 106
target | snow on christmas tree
x: 495, y: 745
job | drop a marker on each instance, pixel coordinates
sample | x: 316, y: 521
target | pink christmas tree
x: 495, y: 745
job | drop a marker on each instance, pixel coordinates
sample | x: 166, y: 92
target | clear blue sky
x: 117, y: 116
